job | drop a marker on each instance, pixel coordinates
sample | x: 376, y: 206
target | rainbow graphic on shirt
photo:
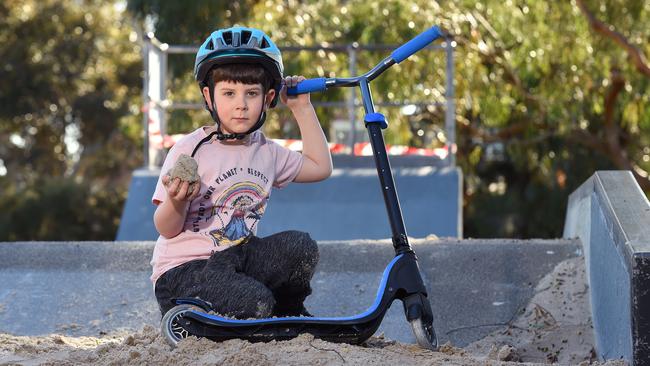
x: 238, y: 208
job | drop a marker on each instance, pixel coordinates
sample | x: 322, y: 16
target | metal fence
x: 155, y: 54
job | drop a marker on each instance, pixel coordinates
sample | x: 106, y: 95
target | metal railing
x: 156, y: 104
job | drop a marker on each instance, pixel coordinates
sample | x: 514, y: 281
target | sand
x: 555, y: 327
x: 147, y: 347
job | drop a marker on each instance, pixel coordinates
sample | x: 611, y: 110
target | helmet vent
x: 245, y: 36
x: 209, y: 46
x: 227, y: 38
x: 265, y: 43
x: 236, y: 39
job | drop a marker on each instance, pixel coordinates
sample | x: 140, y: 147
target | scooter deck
x: 353, y: 329
x: 283, y: 328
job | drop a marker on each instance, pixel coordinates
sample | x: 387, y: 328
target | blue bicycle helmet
x: 238, y: 45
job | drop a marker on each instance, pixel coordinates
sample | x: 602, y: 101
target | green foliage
x: 60, y: 209
x: 69, y: 101
x: 190, y: 22
x: 531, y: 80
x: 186, y: 22
x: 534, y: 79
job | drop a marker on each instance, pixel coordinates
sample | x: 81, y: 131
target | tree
x: 187, y: 22
x: 559, y: 105
x: 546, y: 93
x: 623, y: 116
x: 543, y: 100
x: 69, y: 124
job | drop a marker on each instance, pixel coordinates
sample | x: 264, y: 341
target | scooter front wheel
x: 425, y: 335
x: 171, y: 326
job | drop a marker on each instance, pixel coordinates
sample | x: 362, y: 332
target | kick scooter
x: 401, y: 278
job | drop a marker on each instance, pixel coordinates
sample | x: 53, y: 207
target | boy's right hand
x: 178, y: 190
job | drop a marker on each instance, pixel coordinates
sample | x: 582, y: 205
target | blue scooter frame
x: 401, y: 278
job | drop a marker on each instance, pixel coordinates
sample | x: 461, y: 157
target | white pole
x: 155, y: 94
x: 450, y: 111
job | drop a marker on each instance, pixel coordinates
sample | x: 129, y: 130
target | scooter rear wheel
x: 170, y: 324
x: 425, y: 335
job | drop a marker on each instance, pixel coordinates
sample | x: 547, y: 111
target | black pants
x: 261, y: 278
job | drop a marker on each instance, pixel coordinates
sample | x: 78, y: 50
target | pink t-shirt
x: 236, y: 182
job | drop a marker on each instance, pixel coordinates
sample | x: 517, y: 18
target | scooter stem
x: 374, y: 126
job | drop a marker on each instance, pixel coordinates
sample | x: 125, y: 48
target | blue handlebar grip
x: 307, y: 86
x: 416, y: 44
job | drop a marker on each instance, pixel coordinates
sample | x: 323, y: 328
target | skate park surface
x: 476, y: 287
x: 85, y: 288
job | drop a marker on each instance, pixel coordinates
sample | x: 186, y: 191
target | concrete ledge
x: 73, y: 256
x: 611, y: 216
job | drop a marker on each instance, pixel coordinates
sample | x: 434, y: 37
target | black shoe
x: 304, y: 312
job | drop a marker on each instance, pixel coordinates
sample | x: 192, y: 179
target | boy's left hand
x: 294, y: 101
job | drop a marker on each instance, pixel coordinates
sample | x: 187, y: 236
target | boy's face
x: 238, y: 105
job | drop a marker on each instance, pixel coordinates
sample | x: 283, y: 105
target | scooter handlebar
x: 398, y: 55
x: 416, y: 44
x: 307, y: 86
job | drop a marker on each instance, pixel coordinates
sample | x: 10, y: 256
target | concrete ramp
x: 90, y: 288
x: 348, y: 205
x: 476, y: 287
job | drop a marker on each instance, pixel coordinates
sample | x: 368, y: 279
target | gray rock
x: 186, y: 168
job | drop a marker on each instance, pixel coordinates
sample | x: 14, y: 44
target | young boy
x: 207, y: 246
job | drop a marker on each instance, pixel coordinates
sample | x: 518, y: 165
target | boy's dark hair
x: 241, y: 73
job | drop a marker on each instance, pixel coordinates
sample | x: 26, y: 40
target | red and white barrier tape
x: 157, y: 141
